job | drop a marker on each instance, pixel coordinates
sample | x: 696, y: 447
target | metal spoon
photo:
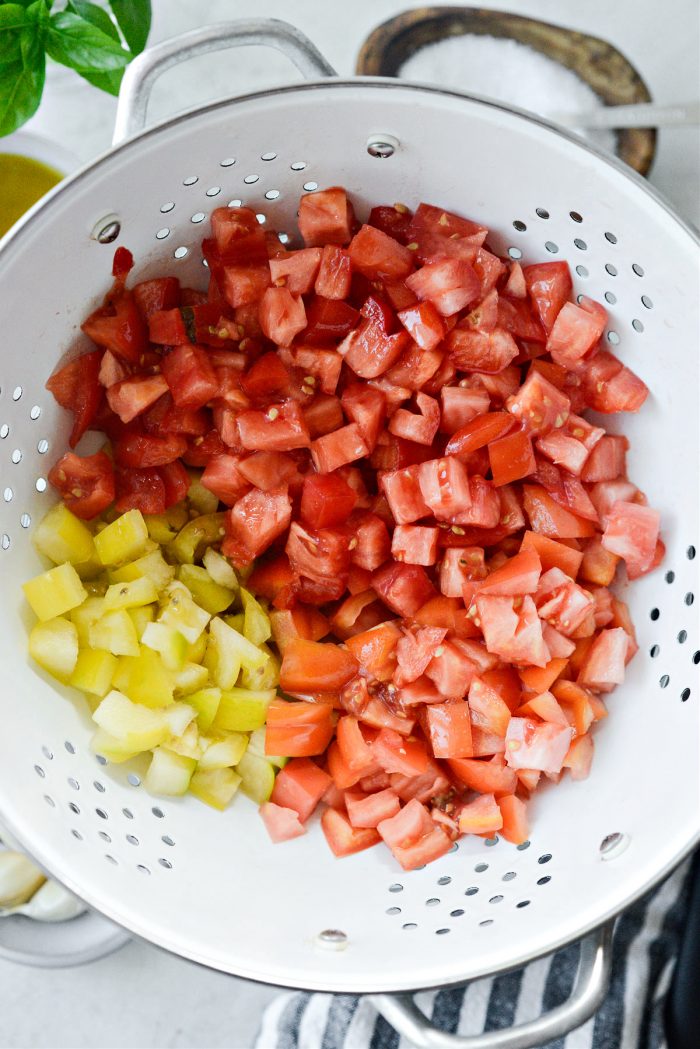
x: 642, y: 114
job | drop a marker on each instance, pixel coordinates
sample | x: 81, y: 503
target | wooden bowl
x: 613, y: 78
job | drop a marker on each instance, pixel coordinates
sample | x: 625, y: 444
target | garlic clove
x: 19, y: 879
x: 53, y: 903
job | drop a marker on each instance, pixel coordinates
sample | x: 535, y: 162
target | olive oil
x: 22, y: 182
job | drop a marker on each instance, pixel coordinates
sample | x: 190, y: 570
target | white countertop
x: 141, y: 996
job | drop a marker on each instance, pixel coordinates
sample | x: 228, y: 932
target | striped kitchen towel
x: 645, y: 946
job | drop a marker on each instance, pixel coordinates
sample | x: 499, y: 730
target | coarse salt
x: 510, y: 72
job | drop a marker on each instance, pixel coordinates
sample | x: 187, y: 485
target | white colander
x: 211, y: 886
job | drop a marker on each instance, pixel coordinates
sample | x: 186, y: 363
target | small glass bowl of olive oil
x: 29, y: 167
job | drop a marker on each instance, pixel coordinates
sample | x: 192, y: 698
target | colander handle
x: 143, y: 72
x: 590, y: 988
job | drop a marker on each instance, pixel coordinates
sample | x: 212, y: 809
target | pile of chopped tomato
x: 395, y: 418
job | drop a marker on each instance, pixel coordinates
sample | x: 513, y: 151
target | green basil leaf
x: 21, y: 80
x: 134, y: 18
x: 109, y: 82
x: 95, y: 15
x: 76, y: 43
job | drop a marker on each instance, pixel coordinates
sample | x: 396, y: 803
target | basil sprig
x: 95, y: 42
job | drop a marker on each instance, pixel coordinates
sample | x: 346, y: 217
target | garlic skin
x: 19, y: 879
x: 53, y: 903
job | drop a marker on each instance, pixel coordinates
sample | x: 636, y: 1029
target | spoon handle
x: 643, y: 114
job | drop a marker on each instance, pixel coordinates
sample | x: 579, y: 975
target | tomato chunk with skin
x: 461, y: 405
x: 419, y: 428
x: 365, y: 406
x: 519, y: 575
x: 539, y: 405
x: 326, y: 217
x: 444, y: 486
x: 479, y: 351
x: 511, y: 458
x: 604, y: 665
x: 532, y: 745
x: 344, y: 839
x: 550, y: 519
x: 318, y: 554
x: 312, y: 666
x: 326, y: 501
x: 281, y: 823
x: 368, y: 810
x: 85, y: 483
x: 281, y: 428
x: 370, y: 351
x: 403, y: 588
x: 449, y: 284
x: 296, y: 270
x: 449, y: 729
x: 632, y: 532
x: 549, y: 285
x: 610, y: 387
x: 190, y: 376
x: 282, y: 315
x: 424, y: 324
x: 222, y: 476
x: 300, y: 785
x: 514, y: 634
x: 514, y: 828
x: 394, y: 753
x: 451, y: 670
x: 131, y: 397
x: 576, y: 331
x: 378, y: 256
x: 257, y: 519
x: 479, y: 432
x: 335, y: 273
x: 480, y: 816
x: 76, y: 387
x: 460, y: 565
x: 403, y: 491
x: 486, y: 777
x: 297, y: 728
x: 415, y: 544
x: 339, y: 448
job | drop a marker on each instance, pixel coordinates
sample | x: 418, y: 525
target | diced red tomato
x: 414, y: 652
x: 393, y: 221
x: 76, y: 387
x: 449, y: 729
x: 379, y: 256
x: 129, y: 398
x: 449, y: 284
x: 280, y: 428
x: 167, y: 327
x: 579, y: 757
x: 282, y: 315
x: 539, y: 405
x: 478, y: 432
x: 328, y: 320
x: 576, y: 331
x: 298, y: 729
x: 515, y: 825
x: 281, y: 823
x: 327, y: 500
x: 394, y: 753
x: 415, y: 544
x: 611, y: 387
x: 142, y: 490
x: 142, y: 450
x: 318, y: 554
x: 222, y: 477
x: 268, y: 470
x: 368, y: 810
x: 85, y: 483
x: 419, y: 428
x: 342, y: 837
x: 604, y: 665
x: 481, y: 816
x: 513, y: 633
x: 550, y: 519
x: 461, y: 405
x: 424, y: 324
x: 339, y: 448
x: 296, y: 270
x: 256, y: 520
x: 511, y: 458
x: 477, y: 351
x: 323, y: 415
x: 444, y: 487
x: 549, y: 285
x: 300, y: 785
x: 370, y: 350
x: 335, y: 273
x: 118, y: 327
x: 326, y: 217
x: 518, y: 575
x: 553, y: 554
x: 365, y: 406
x: 163, y: 293
x: 403, y: 588
x: 309, y: 666
x: 632, y: 532
x: 533, y: 745
x: 486, y: 777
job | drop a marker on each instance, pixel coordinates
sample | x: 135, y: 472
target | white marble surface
x: 140, y: 996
